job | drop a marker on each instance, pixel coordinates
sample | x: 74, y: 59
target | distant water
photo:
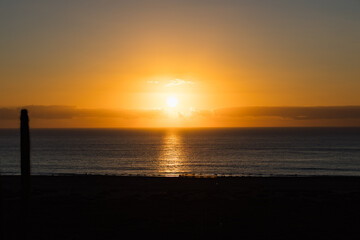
x: 173, y: 152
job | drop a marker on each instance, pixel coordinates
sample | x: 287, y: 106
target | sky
x: 227, y: 63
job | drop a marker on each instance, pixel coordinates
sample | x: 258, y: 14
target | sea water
x: 176, y: 152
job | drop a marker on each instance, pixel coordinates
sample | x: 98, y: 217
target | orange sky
x: 122, y: 55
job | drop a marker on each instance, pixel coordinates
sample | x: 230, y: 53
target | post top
x: 24, y: 114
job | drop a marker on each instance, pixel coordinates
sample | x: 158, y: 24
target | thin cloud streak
x: 177, y: 82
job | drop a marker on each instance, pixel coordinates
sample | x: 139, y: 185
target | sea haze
x: 174, y: 152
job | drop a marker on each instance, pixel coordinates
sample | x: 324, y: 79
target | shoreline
x: 111, y: 207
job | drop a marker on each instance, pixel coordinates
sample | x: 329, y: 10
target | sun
x: 172, y: 101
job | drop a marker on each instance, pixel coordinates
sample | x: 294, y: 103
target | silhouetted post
x: 25, y: 149
x: 25, y: 169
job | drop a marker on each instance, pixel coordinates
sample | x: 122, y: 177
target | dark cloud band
x: 294, y: 113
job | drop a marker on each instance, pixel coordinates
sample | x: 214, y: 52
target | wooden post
x: 25, y: 171
x: 25, y: 148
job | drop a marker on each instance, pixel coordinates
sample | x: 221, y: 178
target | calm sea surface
x: 172, y: 152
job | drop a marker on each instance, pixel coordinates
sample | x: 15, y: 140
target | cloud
x: 70, y: 112
x: 201, y: 113
x: 153, y: 82
x: 177, y: 82
x: 295, y: 113
x: 70, y: 116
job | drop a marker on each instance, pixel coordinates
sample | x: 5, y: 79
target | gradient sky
x: 210, y: 54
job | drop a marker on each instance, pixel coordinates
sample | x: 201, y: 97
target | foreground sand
x: 106, y: 207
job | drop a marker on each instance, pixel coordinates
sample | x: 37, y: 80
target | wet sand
x: 108, y: 207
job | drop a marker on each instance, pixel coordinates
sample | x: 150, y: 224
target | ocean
x: 194, y: 152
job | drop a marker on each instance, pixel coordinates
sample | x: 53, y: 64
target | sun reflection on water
x: 171, y: 159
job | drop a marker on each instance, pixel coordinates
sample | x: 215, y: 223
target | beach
x: 114, y: 207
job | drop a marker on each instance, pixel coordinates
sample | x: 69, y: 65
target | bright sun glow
x: 172, y: 101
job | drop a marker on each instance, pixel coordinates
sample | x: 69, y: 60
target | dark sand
x: 106, y: 207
